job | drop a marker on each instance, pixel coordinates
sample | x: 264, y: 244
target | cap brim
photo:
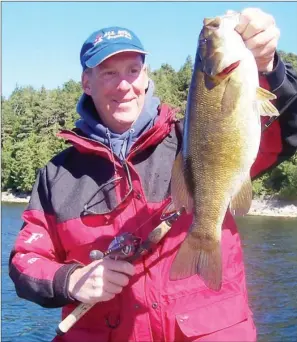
x: 109, y: 51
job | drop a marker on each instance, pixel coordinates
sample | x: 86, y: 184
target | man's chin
x: 125, y: 117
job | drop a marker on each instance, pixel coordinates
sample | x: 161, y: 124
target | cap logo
x: 98, y: 39
x: 112, y: 35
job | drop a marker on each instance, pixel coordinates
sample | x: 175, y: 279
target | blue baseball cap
x: 107, y: 42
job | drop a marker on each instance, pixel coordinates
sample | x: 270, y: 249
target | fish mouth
x: 227, y: 71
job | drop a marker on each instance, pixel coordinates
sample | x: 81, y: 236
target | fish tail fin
x: 210, y: 267
x: 186, y: 261
x: 191, y: 260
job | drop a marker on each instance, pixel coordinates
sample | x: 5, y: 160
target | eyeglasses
x: 109, y: 199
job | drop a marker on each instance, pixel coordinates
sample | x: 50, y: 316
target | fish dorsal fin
x: 241, y: 202
x: 266, y: 108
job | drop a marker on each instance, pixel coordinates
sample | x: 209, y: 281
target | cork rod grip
x: 72, y: 318
x: 154, y: 237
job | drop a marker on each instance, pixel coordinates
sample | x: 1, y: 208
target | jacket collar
x: 152, y: 137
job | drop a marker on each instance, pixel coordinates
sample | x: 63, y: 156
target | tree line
x: 31, y: 118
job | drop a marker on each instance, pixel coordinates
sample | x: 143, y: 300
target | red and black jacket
x: 71, y: 212
x: 279, y: 136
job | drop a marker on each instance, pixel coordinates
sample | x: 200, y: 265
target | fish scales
x: 220, y: 143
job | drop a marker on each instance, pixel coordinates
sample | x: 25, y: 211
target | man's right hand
x: 100, y: 281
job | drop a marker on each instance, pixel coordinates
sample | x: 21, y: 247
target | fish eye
x: 203, y: 41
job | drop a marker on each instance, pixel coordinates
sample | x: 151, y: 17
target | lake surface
x: 270, y: 246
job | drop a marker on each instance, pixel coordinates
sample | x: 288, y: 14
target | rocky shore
x: 273, y: 207
x: 9, y: 197
x: 260, y: 207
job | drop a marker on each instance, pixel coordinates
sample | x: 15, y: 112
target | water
x: 270, y: 246
x: 22, y: 321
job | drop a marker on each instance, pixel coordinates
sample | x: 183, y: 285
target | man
x: 114, y: 179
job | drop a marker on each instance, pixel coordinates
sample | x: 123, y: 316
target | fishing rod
x: 125, y: 247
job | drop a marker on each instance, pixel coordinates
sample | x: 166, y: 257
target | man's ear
x: 85, y: 82
x: 146, y: 76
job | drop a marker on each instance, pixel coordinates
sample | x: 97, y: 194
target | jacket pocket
x: 218, y: 316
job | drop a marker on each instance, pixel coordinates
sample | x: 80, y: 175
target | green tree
x: 166, y: 84
x: 289, y: 58
x: 31, y: 119
x: 184, y: 76
x: 23, y: 164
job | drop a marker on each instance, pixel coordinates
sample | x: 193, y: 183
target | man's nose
x: 124, y: 84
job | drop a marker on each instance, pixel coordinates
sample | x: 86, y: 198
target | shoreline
x: 7, y: 197
x: 260, y: 207
x: 273, y: 208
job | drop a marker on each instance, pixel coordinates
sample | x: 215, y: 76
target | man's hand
x: 100, y: 281
x: 260, y: 35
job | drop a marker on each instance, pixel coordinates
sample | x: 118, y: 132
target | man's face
x: 117, y: 87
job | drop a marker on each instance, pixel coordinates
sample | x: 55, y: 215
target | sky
x: 41, y: 41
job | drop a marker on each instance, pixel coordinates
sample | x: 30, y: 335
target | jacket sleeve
x: 36, y: 261
x: 279, y: 136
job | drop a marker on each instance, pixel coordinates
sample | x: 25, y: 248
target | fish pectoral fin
x: 266, y: 108
x: 180, y: 195
x: 241, y: 202
x: 264, y: 94
x: 206, y: 263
